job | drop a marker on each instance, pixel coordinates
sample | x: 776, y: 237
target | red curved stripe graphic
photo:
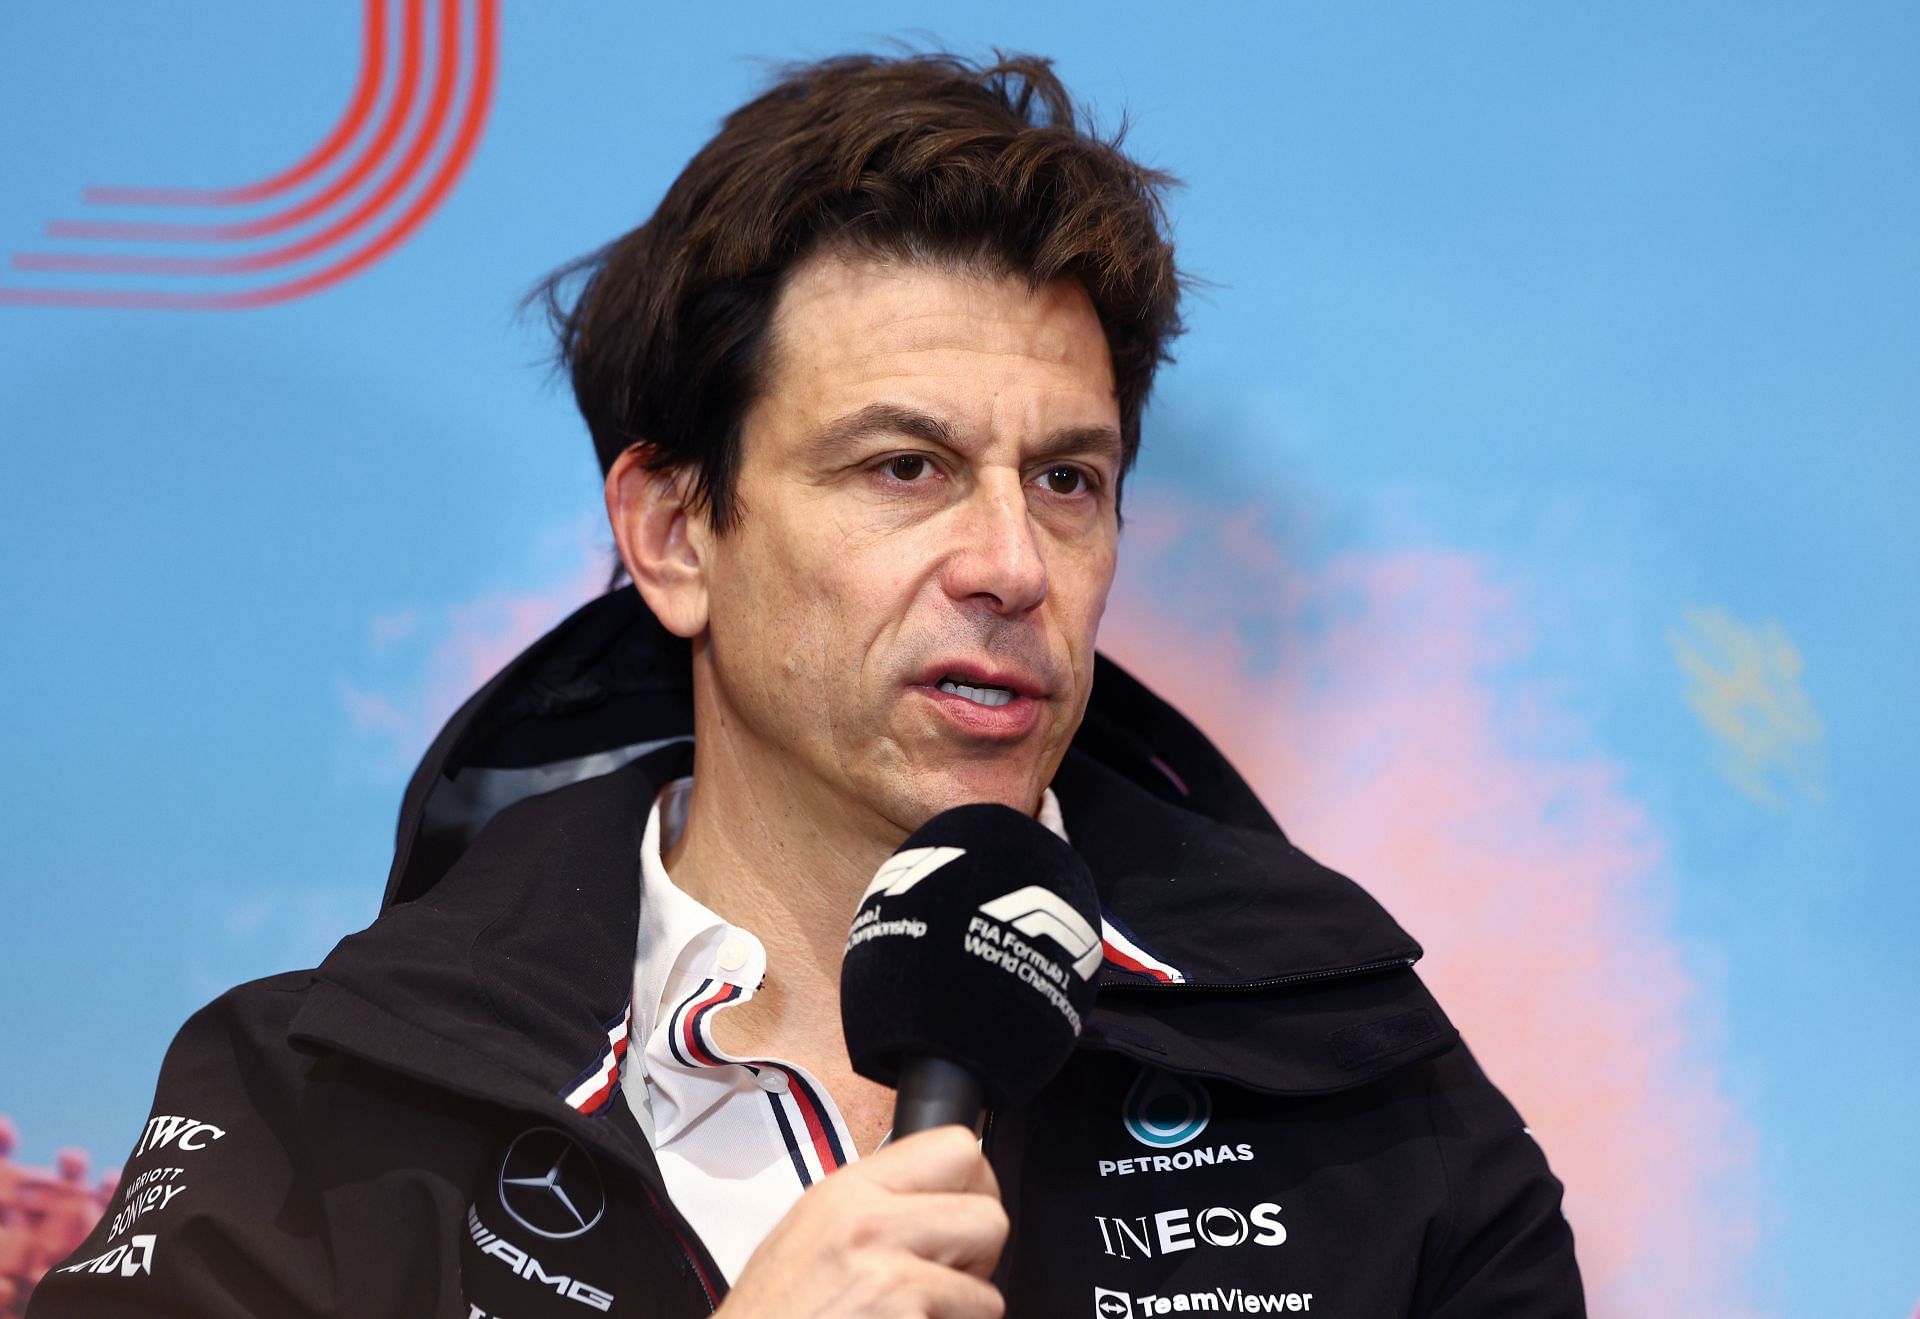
x: 472, y: 123
x: 412, y: 43
x: 373, y: 58
x: 440, y: 102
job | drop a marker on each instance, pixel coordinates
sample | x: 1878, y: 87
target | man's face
x: 903, y: 619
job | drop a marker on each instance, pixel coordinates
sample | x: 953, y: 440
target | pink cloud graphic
x: 1367, y: 699
x: 443, y: 656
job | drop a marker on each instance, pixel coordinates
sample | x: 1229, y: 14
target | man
x: 864, y: 390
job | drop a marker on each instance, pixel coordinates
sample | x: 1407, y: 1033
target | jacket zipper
x: 672, y: 1218
x: 1164, y: 986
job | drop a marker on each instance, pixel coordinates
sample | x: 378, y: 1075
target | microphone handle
x: 932, y: 1093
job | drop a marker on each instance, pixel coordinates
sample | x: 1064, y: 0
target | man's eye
x: 908, y: 467
x: 1066, y: 480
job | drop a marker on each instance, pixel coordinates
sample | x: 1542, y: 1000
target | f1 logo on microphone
x: 1037, y: 911
x: 1109, y: 1304
x: 903, y: 870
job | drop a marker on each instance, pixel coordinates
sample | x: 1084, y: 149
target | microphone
x: 969, y: 968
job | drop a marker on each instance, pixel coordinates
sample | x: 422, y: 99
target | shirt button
x: 773, y: 1080
x: 733, y: 955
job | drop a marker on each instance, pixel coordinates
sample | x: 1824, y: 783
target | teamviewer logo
x: 1109, y: 1304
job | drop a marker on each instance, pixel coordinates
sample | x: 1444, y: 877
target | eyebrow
x: 843, y: 433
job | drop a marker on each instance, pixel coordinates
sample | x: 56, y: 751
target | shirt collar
x: 680, y: 935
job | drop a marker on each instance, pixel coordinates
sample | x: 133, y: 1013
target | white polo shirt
x: 738, y: 1139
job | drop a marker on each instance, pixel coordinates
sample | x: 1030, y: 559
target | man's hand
x: 914, y: 1231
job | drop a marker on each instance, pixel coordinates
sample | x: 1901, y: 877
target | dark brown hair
x: 926, y: 157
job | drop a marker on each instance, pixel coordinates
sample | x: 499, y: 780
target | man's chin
x: 936, y: 793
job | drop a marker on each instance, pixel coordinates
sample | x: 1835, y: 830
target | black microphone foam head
x: 978, y: 942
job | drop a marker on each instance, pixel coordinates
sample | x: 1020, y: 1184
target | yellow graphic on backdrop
x: 1744, y: 683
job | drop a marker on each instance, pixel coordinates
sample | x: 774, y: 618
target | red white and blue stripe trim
x: 807, y: 1126
x: 813, y: 1143
x: 592, y: 1090
x: 1126, y: 953
x: 687, y: 1032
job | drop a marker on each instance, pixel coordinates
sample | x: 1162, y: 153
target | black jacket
x: 1295, y: 1127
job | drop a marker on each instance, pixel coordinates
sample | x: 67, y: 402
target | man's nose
x: 996, y: 559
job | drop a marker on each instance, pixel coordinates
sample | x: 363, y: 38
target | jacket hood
x: 1210, y: 910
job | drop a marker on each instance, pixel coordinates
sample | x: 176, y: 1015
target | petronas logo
x: 1166, y: 1111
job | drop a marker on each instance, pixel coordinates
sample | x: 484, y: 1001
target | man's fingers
x: 981, y: 1179
x: 946, y: 1294
x: 964, y: 1232
x: 943, y: 1159
x: 915, y: 1229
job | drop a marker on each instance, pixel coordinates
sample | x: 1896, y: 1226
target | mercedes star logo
x: 549, y: 1184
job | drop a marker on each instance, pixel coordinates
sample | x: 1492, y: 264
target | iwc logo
x: 550, y: 1186
x: 1165, y: 1111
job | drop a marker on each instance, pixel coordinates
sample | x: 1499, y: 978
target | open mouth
x: 979, y: 695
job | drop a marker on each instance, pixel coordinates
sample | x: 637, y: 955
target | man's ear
x: 663, y: 542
